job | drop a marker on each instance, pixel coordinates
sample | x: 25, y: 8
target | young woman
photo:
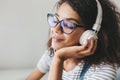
x: 70, y: 55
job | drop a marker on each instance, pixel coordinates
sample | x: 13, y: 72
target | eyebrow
x: 69, y: 18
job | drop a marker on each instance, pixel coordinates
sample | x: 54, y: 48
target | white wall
x: 23, y: 31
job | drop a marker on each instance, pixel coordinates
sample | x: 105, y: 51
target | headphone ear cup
x: 88, y: 34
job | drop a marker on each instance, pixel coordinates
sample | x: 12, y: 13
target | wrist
x: 59, y: 56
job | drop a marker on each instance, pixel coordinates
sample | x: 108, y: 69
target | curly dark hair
x: 108, y: 47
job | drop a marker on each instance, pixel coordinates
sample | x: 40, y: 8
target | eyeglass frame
x: 59, y: 21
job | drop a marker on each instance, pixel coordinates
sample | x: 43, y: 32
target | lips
x: 57, y: 39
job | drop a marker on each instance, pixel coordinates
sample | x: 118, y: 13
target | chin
x: 56, y: 47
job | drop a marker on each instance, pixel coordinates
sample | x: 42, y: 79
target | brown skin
x: 66, y: 47
x: 36, y: 74
x: 61, y: 39
x: 67, y: 51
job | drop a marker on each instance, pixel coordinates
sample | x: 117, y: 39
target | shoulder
x: 102, y: 72
x: 44, y: 62
x: 106, y: 67
x: 46, y: 55
x: 46, y: 58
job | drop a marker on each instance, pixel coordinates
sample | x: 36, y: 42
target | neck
x: 70, y: 64
x: 72, y: 60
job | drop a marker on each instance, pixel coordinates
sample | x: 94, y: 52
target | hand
x: 77, y: 51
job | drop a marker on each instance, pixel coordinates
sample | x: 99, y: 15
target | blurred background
x: 23, y: 35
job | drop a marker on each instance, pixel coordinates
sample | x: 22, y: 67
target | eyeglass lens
x: 66, y: 25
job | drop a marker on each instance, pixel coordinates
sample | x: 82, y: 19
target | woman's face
x: 60, y: 39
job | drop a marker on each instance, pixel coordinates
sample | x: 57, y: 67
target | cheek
x: 50, y: 31
x: 74, y: 38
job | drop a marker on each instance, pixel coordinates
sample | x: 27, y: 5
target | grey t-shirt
x: 44, y: 62
x: 103, y: 72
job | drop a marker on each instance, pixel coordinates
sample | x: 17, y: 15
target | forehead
x: 66, y: 11
x: 70, y: 19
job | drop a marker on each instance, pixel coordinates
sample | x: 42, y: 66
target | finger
x: 85, y: 43
x: 81, y: 48
x: 95, y: 46
x: 91, y: 48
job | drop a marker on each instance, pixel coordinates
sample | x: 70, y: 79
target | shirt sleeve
x: 104, y: 72
x: 43, y: 64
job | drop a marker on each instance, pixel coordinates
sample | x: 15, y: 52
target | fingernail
x: 85, y: 42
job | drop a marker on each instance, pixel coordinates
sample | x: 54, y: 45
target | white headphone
x: 92, y: 34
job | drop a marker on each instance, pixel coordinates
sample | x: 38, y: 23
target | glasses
x: 67, y: 26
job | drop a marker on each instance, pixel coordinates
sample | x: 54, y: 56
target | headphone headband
x: 98, y: 21
x: 92, y: 34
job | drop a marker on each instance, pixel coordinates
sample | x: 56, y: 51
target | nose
x: 57, y: 29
